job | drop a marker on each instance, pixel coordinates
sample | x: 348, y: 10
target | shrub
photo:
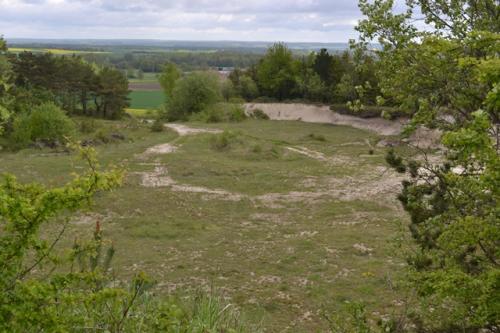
x: 157, y: 126
x: 235, y: 113
x: 21, y: 132
x: 259, y: 114
x: 316, y: 137
x: 368, y: 111
x: 47, y: 124
x: 224, y: 140
x: 193, y: 94
x: 221, y: 112
x: 87, y: 126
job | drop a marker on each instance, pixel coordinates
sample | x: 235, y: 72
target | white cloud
x: 288, y: 20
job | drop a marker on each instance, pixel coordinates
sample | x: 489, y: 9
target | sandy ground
x: 323, y: 114
x: 422, y: 138
x: 382, y: 182
x: 185, y: 130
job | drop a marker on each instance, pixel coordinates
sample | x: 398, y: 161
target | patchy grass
x: 304, y: 233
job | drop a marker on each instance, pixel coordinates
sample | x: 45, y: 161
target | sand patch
x: 183, y: 130
x: 323, y: 114
x: 165, y: 148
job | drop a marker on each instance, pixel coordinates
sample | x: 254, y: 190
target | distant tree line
x: 38, y: 93
x: 318, y: 77
x: 152, y: 62
x: 77, y: 86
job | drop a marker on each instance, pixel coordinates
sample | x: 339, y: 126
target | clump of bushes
x: 221, y: 112
x: 266, y: 152
x: 47, y: 125
x: 368, y: 111
x: 224, y: 140
x: 87, y: 125
x: 157, y: 126
x: 193, y: 94
x: 259, y: 114
x: 316, y: 137
x: 104, y: 136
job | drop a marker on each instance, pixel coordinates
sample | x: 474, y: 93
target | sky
x: 242, y: 20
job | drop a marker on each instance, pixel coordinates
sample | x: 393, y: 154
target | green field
x: 146, y: 99
x: 283, y: 224
x: 147, y: 78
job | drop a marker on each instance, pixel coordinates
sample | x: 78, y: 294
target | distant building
x: 224, y: 71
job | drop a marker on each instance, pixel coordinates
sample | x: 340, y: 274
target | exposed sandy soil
x: 381, y: 183
x: 422, y: 138
x: 166, y: 148
x: 323, y: 114
x: 185, y: 130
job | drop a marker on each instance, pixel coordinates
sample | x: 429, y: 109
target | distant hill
x: 134, y: 44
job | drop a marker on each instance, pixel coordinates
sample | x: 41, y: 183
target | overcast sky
x: 244, y: 20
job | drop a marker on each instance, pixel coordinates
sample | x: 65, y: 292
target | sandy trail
x: 323, y: 114
x: 183, y: 130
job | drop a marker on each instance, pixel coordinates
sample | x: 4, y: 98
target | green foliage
x: 113, y: 94
x: 47, y: 124
x: 5, y: 86
x: 259, y: 114
x: 353, y: 319
x: 168, y: 78
x: 224, y: 140
x: 211, y: 314
x: 454, y: 71
x: 193, y: 94
x: 77, y: 86
x: 244, y: 85
x: 221, y: 112
x: 316, y: 137
x: 157, y: 126
x: 87, y: 125
x: 276, y: 72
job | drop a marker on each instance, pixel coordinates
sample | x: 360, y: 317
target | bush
x: 87, y: 126
x: 157, y: 126
x: 224, y: 141
x: 316, y: 137
x: 368, y: 111
x: 259, y: 114
x: 265, y: 99
x: 221, y: 112
x: 193, y: 94
x: 46, y: 124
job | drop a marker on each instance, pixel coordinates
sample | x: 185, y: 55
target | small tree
x: 111, y: 97
x: 47, y: 123
x: 276, y: 72
x: 168, y: 78
x: 193, y: 94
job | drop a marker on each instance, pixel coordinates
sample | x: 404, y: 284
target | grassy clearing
x: 281, y: 257
x: 142, y: 113
x: 146, y: 99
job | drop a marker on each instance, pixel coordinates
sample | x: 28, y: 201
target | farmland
x: 146, y: 93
